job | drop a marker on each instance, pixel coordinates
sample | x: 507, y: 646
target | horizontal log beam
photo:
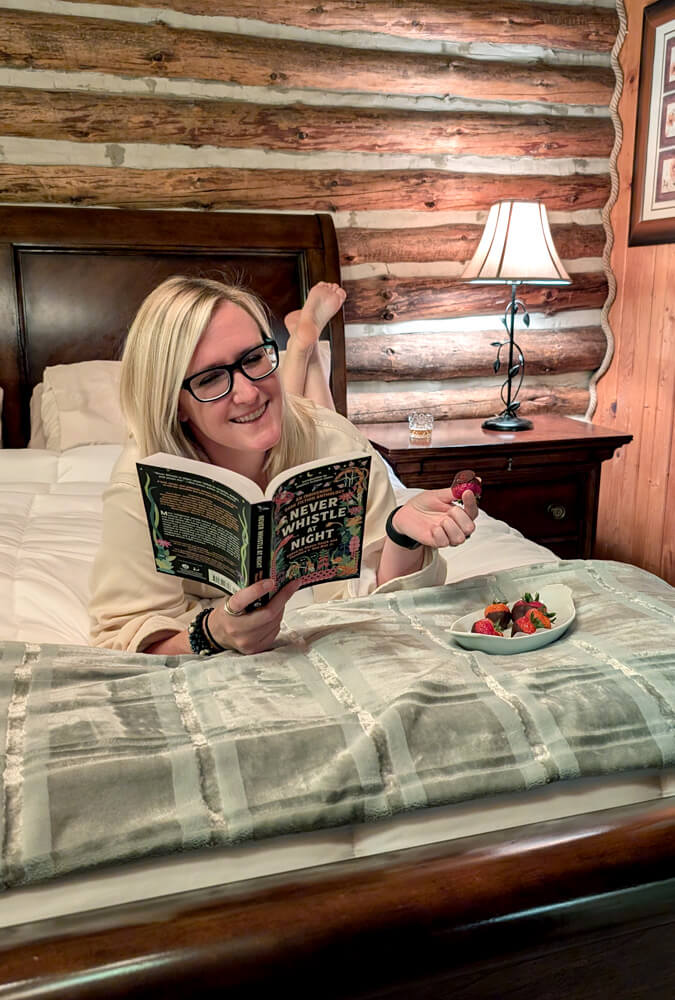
x: 298, y: 190
x: 454, y: 404
x: 66, y: 44
x: 450, y: 243
x: 440, y: 356
x: 388, y: 298
x: 86, y: 117
x: 555, y: 26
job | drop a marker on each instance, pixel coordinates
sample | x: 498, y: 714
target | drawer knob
x: 557, y: 511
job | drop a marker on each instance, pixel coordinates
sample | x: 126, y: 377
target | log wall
x: 637, y: 496
x: 405, y: 121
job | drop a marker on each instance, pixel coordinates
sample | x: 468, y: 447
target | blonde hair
x: 157, y: 352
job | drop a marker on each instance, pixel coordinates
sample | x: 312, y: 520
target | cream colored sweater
x: 133, y: 606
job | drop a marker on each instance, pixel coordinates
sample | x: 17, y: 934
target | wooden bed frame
x: 580, y: 907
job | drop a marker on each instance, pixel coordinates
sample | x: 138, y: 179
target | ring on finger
x: 229, y: 611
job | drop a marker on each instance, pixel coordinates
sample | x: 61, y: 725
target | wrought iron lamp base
x: 507, y: 422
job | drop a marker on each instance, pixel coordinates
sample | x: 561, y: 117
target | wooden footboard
x: 581, y: 907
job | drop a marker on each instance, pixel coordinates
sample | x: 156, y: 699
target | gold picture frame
x: 652, y: 216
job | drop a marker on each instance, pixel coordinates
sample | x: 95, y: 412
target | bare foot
x: 323, y: 301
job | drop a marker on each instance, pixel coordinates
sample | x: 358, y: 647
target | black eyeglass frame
x: 231, y: 369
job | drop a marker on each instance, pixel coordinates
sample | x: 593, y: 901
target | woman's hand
x: 250, y: 631
x: 434, y: 519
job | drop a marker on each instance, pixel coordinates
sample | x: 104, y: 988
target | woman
x: 179, y: 397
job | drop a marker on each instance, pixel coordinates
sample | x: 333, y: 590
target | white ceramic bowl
x: 556, y: 596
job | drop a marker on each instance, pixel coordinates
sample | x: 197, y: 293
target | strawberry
x: 527, y: 603
x: 485, y: 627
x: 538, y: 618
x: 499, y: 614
x: 532, y: 620
x: 463, y: 481
x: 534, y: 601
x: 519, y: 608
x: 523, y: 625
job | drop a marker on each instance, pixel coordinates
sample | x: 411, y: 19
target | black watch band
x: 405, y: 541
x: 215, y: 645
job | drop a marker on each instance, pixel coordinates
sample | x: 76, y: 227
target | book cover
x: 216, y: 526
x: 319, y: 514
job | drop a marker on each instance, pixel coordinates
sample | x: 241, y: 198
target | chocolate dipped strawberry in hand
x: 463, y: 481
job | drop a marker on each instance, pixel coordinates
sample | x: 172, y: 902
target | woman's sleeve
x: 132, y: 605
x: 381, y: 501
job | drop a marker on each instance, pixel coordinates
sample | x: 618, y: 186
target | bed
x: 364, y: 811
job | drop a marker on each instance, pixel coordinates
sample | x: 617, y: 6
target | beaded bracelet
x: 405, y: 541
x: 201, y: 641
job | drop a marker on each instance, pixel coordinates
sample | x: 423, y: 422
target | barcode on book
x: 220, y: 580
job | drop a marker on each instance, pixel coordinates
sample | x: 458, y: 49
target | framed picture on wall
x: 652, y: 217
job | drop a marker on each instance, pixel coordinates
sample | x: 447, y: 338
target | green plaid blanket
x: 365, y: 708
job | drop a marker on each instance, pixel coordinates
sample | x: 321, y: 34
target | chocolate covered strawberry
x: 485, y: 627
x: 530, y: 622
x: 539, y: 619
x: 534, y: 602
x: 520, y: 608
x: 499, y: 614
x: 523, y: 625
x: 463, y: 481
x: 528, y: 603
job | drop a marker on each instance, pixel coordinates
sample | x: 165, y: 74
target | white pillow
x: 79, y: 404
x: 37, y: 431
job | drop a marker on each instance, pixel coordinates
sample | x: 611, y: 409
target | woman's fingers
x: 463, y: 519
x: 239, y: 602
x: 470, y: 504
x: 433, y: 520
x: 251, y: 631
x: 281, y: 599
x: 448, y: 532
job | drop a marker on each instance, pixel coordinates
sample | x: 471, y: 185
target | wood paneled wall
x: 637, y: 497
x: 405, y: 121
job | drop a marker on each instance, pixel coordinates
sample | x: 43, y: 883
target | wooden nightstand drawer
x: 546, y: 510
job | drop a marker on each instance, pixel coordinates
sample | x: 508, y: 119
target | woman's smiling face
x: 237, y: 430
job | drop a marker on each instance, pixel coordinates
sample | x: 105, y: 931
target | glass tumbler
x: 420, y: 426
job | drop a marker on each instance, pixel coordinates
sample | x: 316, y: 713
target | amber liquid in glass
x: 420, y: 435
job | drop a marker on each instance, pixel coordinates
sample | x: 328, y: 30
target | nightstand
x: 544, y: 482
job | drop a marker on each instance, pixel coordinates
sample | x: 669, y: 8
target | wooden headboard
x: 71, y: 280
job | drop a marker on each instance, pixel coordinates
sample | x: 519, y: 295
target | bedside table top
x: 468, y: 433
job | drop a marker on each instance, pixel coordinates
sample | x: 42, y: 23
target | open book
x: 216, y: 526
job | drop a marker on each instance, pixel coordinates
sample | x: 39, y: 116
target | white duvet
x: 50, y: 518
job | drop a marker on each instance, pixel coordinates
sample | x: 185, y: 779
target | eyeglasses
x: 214, y: 383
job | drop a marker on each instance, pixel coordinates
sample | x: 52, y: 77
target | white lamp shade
x: 516, y: 247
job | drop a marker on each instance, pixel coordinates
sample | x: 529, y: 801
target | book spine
x: 260, y: 531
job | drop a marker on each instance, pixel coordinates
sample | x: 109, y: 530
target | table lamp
x: 515, y: 248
